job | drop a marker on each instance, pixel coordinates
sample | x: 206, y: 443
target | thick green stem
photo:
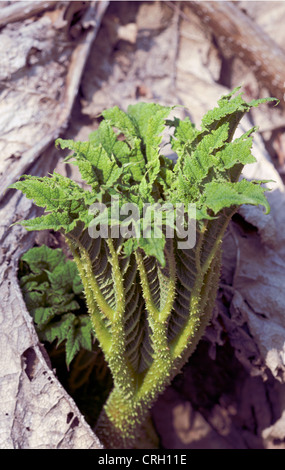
x: 121, y: 420
x: 120, y: 424
x: 102, y: 332
x: 198, y: 321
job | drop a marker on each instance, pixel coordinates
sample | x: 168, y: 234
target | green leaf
x: 58, y: 330
x: 43, y: 258
x: 150, y: 122
x: 42, y: 315
x: 219, y: 195
x: 150, y: 119
x: 105, y: 136
x: 117, y: 118
x: 94, y: 163
x: 78, y: 336
x: 52, y: 221
x: 201, y: 160
x: 33, y: 296
x: 185, y: 132
x: 64, y: 275
x: 52, y: 291
x: 231, y: 109
x: 238, y: 151
x: 120, y: 120
x: 154, y: 246
x: 41, y: 190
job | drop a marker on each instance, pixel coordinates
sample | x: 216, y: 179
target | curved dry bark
x: 36, y: 411
x: 38, y: 92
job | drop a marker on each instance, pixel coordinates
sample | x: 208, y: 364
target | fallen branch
x: 19, y: 11
x: 237, y: 33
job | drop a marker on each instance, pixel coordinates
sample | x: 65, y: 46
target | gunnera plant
x: 149, y: 267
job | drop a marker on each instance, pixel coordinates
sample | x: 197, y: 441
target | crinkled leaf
x: 94, y: 163
x: 201, y: 160
x: 238, y: 151
x: 219, y: 195
x: 52, y: 221
x: 64, y: 275
x: 52, y: 291
x: 123, y: 157
x: 43, y: 315
x: 41, y: 258
x: 78, y: 336
x: 58, y: 330
x: 43, y: 191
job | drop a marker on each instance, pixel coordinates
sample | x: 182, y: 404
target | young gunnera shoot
x: 145, y: 233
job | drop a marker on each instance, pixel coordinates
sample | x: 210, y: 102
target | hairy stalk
x: 102, y: 332
x: 123, y: 429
